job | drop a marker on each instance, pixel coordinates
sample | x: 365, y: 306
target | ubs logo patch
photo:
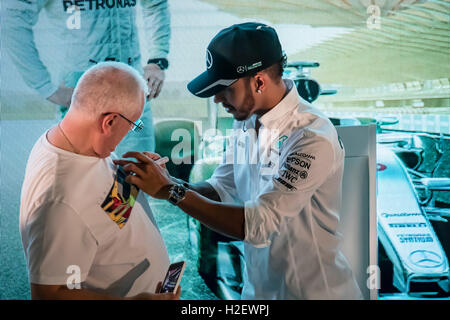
x: 303, y: 175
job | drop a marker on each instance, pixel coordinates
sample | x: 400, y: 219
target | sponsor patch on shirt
x: 281, y: 142
x: 121, y: 198
x: 286, y: 184
x: 295, y: 169
x: 97, y: 4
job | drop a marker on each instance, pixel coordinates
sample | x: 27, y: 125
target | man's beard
x: 248, y: 103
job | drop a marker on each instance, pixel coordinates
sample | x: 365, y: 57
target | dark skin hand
x: 154, y: 180
x: 140, y: 172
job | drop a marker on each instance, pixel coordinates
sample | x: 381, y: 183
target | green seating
x: 183, y: 151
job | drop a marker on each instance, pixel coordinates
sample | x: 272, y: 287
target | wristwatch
x: 163, y: 63
x: 177, y: 193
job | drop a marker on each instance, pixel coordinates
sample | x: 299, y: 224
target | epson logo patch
x: 304, y: 163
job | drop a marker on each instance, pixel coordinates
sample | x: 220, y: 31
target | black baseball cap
x: 236, y: 52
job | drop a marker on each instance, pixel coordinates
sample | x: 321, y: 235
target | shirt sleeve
x: 301, y: 172
x: 59, y: 244
x: 223, y: 182
x: 19, y: 17
x: 222, y: 179
x: 156, y: 17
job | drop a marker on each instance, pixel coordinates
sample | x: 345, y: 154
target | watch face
x: 162, y: 65
x: 180, y: 190
x: 177, y: 193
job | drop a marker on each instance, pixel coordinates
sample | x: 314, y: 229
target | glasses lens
x: 138, y: 125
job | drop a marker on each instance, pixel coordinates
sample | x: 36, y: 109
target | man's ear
x: 260, y: 81
x: 107, y: 123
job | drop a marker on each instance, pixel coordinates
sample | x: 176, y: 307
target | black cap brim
x: 206, y: 85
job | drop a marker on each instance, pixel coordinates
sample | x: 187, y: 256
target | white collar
x: 288, y: 103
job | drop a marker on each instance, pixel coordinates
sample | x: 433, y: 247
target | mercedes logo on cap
x: 241, y: 69
x: 425, y: 259
x: 209, y: 59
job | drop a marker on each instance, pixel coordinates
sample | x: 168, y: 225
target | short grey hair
x: 108, y: 87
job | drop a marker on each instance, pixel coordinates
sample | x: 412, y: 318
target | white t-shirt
x: 290, y: 185
x: 77, y: 214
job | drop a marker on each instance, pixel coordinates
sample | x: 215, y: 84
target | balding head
x: 108, y: 87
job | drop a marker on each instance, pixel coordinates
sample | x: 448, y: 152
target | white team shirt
x: 77, y: 214
x: 291, y: 189
x: 77, y: 39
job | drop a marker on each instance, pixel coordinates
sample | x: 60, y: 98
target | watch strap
x: 163, y: 63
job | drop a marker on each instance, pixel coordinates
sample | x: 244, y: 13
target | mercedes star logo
x: 425, y: 259
x: 209, y: 59
x: 240, y: 69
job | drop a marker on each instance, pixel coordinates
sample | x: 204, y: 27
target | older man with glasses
x: 86, y: 232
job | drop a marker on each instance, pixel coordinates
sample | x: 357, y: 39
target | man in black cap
x: 285, y: 205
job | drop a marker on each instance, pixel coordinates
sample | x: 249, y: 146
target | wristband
x: 162, y: 63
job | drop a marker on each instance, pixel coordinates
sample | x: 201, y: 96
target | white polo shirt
x: 80, y: 222
x: 290, y: 185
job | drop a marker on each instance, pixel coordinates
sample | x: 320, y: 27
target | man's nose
x: 218, y: 98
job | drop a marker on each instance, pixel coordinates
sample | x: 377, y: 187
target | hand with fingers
x: 62, y: 96
x: 147, y: 174
x: 158, y: 296
x: 155, y: 79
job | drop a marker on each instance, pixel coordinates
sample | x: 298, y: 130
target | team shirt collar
x: 288, y: 103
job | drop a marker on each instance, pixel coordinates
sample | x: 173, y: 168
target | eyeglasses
x: 137, y: 126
